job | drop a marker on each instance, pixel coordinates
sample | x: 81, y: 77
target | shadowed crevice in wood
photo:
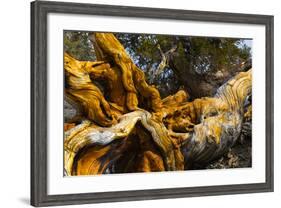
x: 130, y: 128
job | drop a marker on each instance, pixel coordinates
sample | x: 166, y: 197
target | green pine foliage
x: 78, y: 45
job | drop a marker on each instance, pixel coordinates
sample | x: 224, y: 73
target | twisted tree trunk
x: 127, y: 127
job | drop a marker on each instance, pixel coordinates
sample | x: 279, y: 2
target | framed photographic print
x: 132, y: 103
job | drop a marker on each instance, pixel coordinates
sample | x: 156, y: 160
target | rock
x: 72, y: 110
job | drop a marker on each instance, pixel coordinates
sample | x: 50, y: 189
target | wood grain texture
x: 39, y: 11
x: 206, y: 126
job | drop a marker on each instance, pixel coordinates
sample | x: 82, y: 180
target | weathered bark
x: 129, y: 128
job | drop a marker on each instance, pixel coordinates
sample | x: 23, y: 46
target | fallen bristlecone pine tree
x: 120, y: 124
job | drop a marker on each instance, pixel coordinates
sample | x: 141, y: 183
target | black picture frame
x: 39, y: 114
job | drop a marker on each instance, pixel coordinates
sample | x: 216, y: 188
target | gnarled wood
x: 167, y: 134
x: 133, y: 79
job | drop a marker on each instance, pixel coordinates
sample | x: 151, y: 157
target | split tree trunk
x: 128, y: 127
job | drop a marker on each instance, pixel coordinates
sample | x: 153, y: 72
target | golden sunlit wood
x: 164, y: 134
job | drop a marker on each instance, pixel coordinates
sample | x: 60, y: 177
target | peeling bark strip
x: 163, y: 134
